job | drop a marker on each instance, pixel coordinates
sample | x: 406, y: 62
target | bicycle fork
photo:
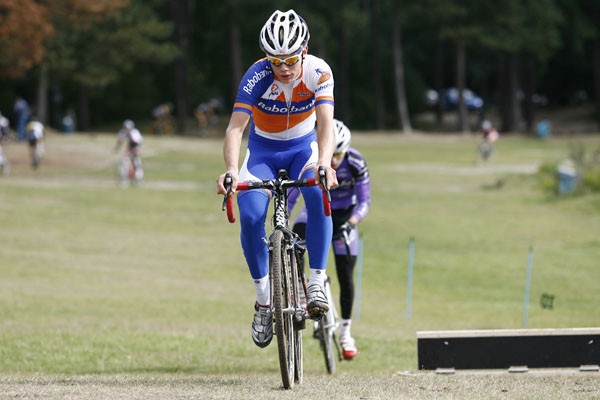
x: 293, y: 275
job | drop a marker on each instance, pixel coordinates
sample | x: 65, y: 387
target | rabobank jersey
x: 283, y: 111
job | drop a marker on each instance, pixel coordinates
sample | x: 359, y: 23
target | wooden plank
x: 508, y: 332
x: 491, y: 349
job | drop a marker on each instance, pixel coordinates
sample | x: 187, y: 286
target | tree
x: 377, y: 63
x: 181, y: 13
x: 23, y: 27
x: 124, y: 36
x: 451, y: 24
x: 402, y: 107
x: 518, y: 30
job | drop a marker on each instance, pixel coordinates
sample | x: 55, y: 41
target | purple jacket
x: 353, y: 190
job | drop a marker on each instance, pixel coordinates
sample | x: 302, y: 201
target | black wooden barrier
x: 491, y: 349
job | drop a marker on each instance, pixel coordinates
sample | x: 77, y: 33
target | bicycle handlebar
x: 272, y: 184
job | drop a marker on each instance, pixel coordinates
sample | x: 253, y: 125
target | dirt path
x: 499, y: 385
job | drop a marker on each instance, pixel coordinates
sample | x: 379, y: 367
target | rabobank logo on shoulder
x: 251, y: 82
x: 324, y: 76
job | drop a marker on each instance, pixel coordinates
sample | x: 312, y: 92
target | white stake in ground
x: 527, y: 287
x: 411, y: 256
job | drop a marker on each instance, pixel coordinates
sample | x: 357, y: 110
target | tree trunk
x: 509, y: 109
x: 343, y: 100
x: 528, y: 89
x: 596, y: 68
x: 403, y: 117
x: 377, y: 63
x: 42, y: 95
x: 179, y: 15
x: 463, y: 116
x: 237, y: 69
x: 83, y: 108
x: 438, y: 80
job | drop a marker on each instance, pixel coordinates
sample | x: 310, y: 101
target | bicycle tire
x: 284, y: 324
x: 297, y: 269
x: 327, y: 333
x: 298, y: 359
x: 299, y: 324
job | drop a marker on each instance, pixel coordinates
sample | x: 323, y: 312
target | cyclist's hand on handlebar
x: 330, y: 176
x: 222, y: 182
x: 348, y: 227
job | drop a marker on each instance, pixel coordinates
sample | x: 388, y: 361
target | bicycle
x: 129, y: 169
x: 287, y: 279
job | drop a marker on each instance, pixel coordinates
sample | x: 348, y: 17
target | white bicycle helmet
x: 284, y: 33
x: 128, y: 124
x: 342, y: 136
x: 486, y: 125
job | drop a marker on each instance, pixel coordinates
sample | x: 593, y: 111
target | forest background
x: 107, y: 60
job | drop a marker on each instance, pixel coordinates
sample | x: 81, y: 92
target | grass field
x: 143, y: 292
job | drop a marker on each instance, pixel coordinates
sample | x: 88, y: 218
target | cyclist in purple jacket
x: 350, y: 202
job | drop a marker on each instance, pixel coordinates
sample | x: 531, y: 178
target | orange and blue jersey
x: 284, y: 111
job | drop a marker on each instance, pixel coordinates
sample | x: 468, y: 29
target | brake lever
x: 323, y: 182
x: 326, y: 194
x: 228, y: 183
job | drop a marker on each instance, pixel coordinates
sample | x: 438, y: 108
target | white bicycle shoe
x: 349, y: 350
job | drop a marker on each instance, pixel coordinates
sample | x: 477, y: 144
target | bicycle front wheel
x: 284, y: 319
x: 327, y: 327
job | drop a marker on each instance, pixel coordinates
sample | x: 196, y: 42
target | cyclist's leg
x: 345, y: 264
x: 318, y: 228
x: 318, y: 237
x: 137, y: 165
x: 345, y: 271
x: 253, y: 206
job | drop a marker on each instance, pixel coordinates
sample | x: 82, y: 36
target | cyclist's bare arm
x: 326, y: 142
x: 231, y: 148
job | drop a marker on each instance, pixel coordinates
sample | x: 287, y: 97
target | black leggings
x: 344, y: 266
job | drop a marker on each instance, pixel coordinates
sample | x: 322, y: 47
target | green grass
x: 101, y: 280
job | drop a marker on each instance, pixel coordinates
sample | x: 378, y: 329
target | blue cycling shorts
x: 263, y: 159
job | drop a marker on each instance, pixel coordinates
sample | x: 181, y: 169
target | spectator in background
x: 4, y: 131
x: 206, y: 115
x: 22, y: 114
x: 163, y: 119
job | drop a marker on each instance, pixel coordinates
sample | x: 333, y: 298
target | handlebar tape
x: 230, y: 211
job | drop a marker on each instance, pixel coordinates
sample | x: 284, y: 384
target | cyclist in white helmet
x: 35, y: 131
x: 350, y: 203
x: 489, y: 135
x: 282, y: 96
x: 132, y: 170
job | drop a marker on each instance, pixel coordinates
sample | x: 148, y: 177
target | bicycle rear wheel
x: 327, y: 327
x: 284, y: 320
